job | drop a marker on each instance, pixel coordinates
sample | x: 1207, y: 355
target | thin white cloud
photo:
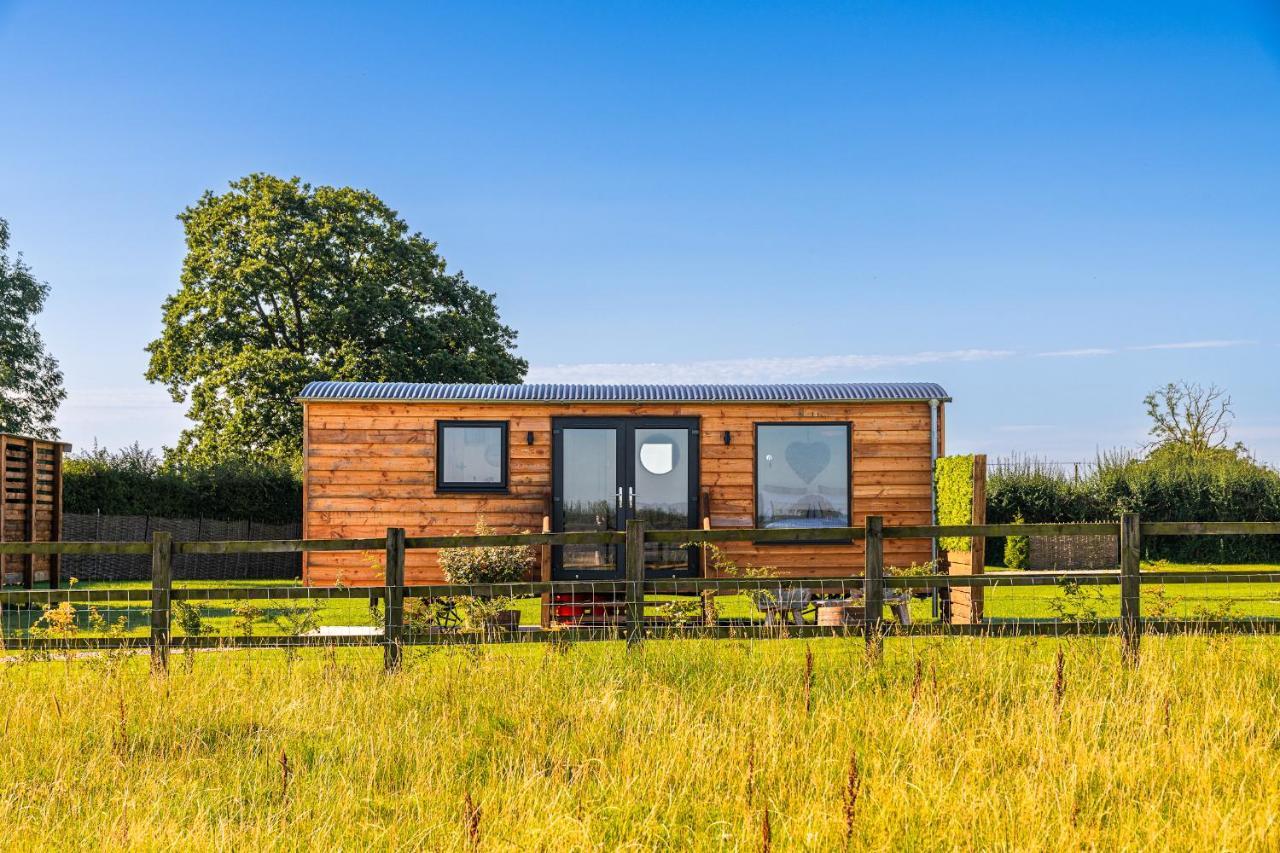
x: 806, y: 368
x: 749, y: 369
x: 101, y: 399
x: 1212, y: 344
x: 1086, y: 352
x: 1076, y: 353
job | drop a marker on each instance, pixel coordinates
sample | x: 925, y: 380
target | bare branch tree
x: 1189, y: 416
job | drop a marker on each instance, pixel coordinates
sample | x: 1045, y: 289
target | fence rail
x: 634, y: 589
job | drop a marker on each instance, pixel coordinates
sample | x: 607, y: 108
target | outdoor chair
x: 775, y: 604
x: 896, y: 600
x: 779, y: 603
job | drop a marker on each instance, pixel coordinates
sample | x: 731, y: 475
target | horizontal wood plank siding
x: 371, y: 465
x: 31, y: 476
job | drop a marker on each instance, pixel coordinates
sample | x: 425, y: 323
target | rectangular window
x: 802, y: 475
x: 471, y: 456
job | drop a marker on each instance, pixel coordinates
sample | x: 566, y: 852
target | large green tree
x: 284, y: 283
x: 30, y: 381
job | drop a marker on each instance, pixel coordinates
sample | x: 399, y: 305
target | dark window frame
x: 625, y: 425
x: 455, y: 487
x: 755, y: 477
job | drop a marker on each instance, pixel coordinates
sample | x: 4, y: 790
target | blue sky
x: 1051, y: 208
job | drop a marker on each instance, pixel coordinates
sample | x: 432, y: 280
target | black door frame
x: 626, y: 427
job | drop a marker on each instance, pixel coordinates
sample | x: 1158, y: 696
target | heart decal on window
x: 808, y: 458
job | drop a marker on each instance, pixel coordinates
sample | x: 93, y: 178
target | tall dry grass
x: 675, y: 745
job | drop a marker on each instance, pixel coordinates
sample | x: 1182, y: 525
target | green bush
x: 134, y: 481
x: 954, y: 478
x: 1162, y: 487
x: 488, y: 563
x: 1017, y: 549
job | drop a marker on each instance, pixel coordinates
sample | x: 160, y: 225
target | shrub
x: 297, y: 619
x: 134, y: 481
x: 189, y: 618
x: 1161, y: 487
x: 487, y: 564
x: 1017, y: 549
x: 722, y: 565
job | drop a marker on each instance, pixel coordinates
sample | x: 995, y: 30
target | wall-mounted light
x: 528, y: 437
x: 728, y: 437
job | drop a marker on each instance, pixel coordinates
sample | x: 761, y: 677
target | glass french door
x: 607, y: 470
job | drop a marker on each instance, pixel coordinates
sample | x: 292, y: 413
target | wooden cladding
x: 31, y: 510
x: 371, y: 465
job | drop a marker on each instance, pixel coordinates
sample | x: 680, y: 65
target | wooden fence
x: 238, y: 566
x: 634, y: 588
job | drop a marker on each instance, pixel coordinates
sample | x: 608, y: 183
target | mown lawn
x: 1188, y: 601
x: 1172, y: 601
x: 959, y: 743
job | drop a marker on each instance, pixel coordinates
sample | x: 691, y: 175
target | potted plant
x: 488, y: 564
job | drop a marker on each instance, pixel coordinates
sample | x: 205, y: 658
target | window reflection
x: 802, y: 475
x: 471, y: 454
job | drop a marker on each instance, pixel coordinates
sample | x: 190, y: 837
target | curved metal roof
x: 833, y: 392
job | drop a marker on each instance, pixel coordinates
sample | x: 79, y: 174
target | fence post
x: 1130, y: 585
x: 873, y: 581
x: 161, y: 590
x: 634, y: 585
x: 393, y: 626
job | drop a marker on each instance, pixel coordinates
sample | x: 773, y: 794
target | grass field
x: 957, y: 743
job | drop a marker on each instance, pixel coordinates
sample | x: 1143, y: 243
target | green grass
x: 1231, y: 600
x: 1174, y: 601
x: 219, y: 614
x: 958, y: 743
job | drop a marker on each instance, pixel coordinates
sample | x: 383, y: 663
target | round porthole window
x: 658, y: 455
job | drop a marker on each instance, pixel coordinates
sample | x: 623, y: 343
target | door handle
x: 631, y: 494
x: 619, y: 497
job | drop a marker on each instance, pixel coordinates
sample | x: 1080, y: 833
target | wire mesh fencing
x: 167, y: 613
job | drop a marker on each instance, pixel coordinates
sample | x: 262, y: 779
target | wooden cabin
x: 436, y: 458
x: 31, y: 510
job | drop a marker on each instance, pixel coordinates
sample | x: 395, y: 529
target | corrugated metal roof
x: 833, y: 392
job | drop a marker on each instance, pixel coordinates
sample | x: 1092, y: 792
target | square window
x: 802, y: 475
x: 471, y: 456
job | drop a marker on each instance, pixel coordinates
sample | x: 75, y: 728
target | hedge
x: 1166, y: 488
x: 954, y: 478
x: 133, y: 482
